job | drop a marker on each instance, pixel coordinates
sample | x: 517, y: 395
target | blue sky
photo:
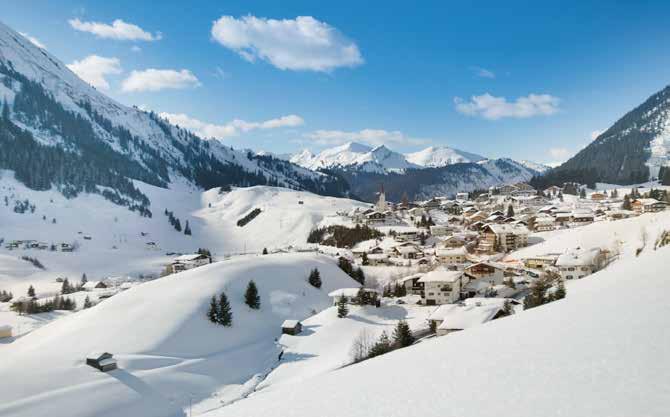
x: 495, y: 78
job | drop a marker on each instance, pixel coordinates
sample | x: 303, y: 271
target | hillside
x: 599, y: 352
x: 439, y: 156
x: 124, y: 244
x: 57, y: 131
x: 631, y: 151
x: 168, y: 352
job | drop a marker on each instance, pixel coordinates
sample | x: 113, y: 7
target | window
x: 568, y: 277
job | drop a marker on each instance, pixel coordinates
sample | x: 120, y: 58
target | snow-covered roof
x: 465, y: 316
x: 5, y: 327
x: 578, y: 257
x: 290, y: 324
x: 414, y: 276
x: 189, y: 257
x: 508, y: 228
x: 451, y: 252
x: 349, y: 292
x: 441, y: 275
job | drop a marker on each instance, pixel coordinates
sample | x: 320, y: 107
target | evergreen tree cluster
x: 174, y: 221
x: 402, y: 337
x: 33, y: 307
x: 425, y: 222
x: 22, y: 207
x: 395, y: 290
x: 249, y: 217
x: 342, y: 236
x: 36, y: 262
x: 220, y: 311
x: 539, y: 292
x: 356, y: 273
x: 5, y: 296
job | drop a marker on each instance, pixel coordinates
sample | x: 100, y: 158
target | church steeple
x: 381, y: 206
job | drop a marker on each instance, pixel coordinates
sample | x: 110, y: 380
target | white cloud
x: 560, y: 154
x: 33, y: 40
x: 94, y: 68
x: 233, y: 128
x: 303, y: 43
x: 483, y: 72
x: 493, y: 108
x: 118, y: 30
x: 156, y: 79
x: 369, y: 136
x: 596, y: 133
x: 136, y: 48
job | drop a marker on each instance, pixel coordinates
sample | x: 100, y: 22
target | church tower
x: 382, y: 206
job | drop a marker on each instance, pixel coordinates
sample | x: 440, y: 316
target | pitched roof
x: 441, y: 275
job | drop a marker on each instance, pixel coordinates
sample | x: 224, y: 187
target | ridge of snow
x: 439, y: 156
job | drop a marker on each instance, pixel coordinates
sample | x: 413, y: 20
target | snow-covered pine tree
x: 225, y: 312
x: 315, y: 278
x: 87, y: 302
x: 402, y: 334
x: 251, y: 297
x: 31, y: 291
x: 342, y: 309
x: 213, y: 312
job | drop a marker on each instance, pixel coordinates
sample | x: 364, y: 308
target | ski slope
x: 169, y: 353
x: 601, y: 352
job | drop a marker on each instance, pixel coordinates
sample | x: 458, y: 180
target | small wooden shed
x: 292, y: 327
x: 103, y: 361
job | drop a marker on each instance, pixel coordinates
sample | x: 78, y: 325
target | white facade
x: 441, y: 286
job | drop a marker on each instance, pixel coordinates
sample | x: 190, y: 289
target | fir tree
x: 66, y: 288
x: 5, y: 110
x: 382, y: 346
x: 265, y: 251
x: 342, y: 309
x: 213, y: 312
x: 251, y: 297
x: 225, y: 314
x: 87, y: 302
x: 84, y: 279
x: 177, y: 225
x: 358, y: 275
x: 582, y: 193
x: 31, y: 291
x: 626, y: 203
x: 510, y: 211
x: 345, y: 265
x: 364, y: 259
x: 402, y: 335
x: 187, y: 229
x: 315, y: 278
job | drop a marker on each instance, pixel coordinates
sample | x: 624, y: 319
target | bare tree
x: 361, y: 346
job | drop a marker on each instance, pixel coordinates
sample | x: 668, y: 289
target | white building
x: 5, y: 331
x: 578, y: 263
x: 441, y: 286
x: 381, y: 205
x: 439, y: 230
x: 452, y: 256
x: 185, y: 262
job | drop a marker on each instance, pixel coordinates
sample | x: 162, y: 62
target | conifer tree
x: 187, y: 229
x: 65, y: 288
x: 87, y: 302
x: 265, y: 251
x: 382, y: 346
x: 342, y: 309
x: 402, y: 335
x: 213, y: 312
x: 84, y: 279
x: 31, y: 291
x: 626, y: 203
x: 225, y: 317
x: 251, y: 297
x: 364, y: 259
x: 432, y: 326
x: 315, y: 278
x: 510, y: 211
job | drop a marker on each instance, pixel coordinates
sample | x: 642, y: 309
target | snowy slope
x: 117, y: 246
x: 439, y: 156
x: 600, y: 352
x: 167, y: 350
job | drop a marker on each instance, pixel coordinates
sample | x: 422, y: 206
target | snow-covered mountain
x: 354, y: 156
x: 439, y: 156
x: 537, y: 167
x: 56, y: 130
x: 631, y: 151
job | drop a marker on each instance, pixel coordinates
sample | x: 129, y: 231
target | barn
x: 292, y: 327
x: 103, y: 361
